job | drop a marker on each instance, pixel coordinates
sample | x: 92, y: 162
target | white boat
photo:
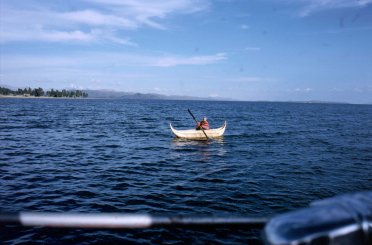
x: 198, y: 134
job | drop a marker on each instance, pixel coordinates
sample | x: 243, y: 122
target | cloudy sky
x: 275, y: 50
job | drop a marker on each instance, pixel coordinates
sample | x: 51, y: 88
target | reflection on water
x: 203, y: 148
x: 201, y: 155
x: 186, y: 142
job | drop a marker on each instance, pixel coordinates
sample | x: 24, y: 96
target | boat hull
x: 198, y: 134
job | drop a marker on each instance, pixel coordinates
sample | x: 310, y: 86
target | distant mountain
x: 112, y: 94
x: 106, y: 94
x: 320, y: 102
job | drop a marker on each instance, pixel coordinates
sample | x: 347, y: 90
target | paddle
x: 197, y: 122
x: 124, y: 221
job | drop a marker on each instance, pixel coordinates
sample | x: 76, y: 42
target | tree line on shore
x: 38, y: 92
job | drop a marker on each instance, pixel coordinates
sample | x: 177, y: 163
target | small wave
x: 210, y: 180
x: 85, y: 194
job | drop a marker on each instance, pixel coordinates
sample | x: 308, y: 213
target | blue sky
x: 277, y: 50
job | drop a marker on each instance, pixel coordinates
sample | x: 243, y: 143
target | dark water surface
x: 120, y: 156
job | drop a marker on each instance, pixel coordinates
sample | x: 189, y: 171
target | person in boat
x: 202, y: 124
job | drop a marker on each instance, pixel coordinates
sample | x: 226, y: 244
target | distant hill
x: 112, y: 94
x: 318, y: 102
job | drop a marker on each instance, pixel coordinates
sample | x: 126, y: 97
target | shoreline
x: 36, y: 97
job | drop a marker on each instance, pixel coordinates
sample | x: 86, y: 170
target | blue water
x: 92, y: 156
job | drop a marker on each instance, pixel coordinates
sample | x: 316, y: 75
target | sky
x: 256, y: 50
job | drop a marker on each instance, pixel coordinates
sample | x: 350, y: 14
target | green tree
x: 39, y: 92
x: 5, y: 91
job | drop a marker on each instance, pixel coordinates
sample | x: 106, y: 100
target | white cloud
x: 39, y: 22
x: 95, y: 18
x: 65, y: 36
x: 303, y: 90
x: 50, y: 26
x: 37, y: 34
x: 312, y: 6
x: 163, y: 90
x: 111, y: 60
x: 155, y: 8
x: 74, y: 86
x: 244, y: 27
x: 169, y: 61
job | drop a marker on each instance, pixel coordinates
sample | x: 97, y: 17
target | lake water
x: 65, y: 155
